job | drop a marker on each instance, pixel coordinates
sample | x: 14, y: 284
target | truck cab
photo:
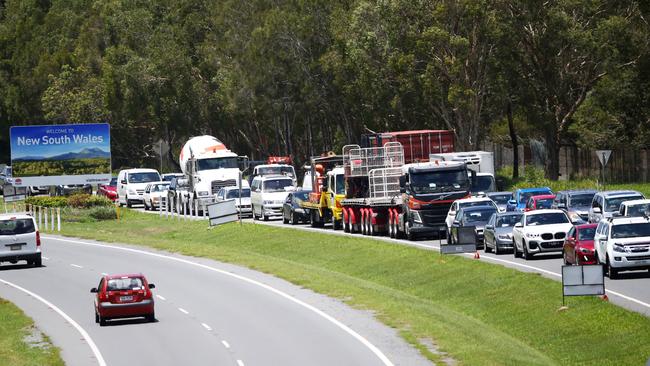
x: 481, y: 162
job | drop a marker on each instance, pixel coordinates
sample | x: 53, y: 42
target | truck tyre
x: 336, y: 224
x: 409, y: 233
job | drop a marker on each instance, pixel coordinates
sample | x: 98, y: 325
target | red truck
x: 418, y: 145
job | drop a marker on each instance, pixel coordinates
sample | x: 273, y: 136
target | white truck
x: 482, y: 162
x: 208, y: 165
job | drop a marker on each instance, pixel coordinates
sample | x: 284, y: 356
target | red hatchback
x: 108, y: 190
x: 539, y: 202
x: 123, y: 296
x: 579, y: 245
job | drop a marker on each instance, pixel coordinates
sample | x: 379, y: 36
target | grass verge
x: 480, y: 314
x: 16, y: 348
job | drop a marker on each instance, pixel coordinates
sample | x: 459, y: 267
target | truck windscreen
x: 218, y: 163
x: 440, y: 181
x: 483, y: 183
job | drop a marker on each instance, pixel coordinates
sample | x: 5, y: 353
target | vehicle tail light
x: 38, y: 238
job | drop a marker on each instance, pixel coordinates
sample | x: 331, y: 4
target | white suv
x: 19, y: 239
x: 540, y: 231
x: 605, y: 204
x: 131, y: 184
x: 268, y: 194
x: 623, y: 243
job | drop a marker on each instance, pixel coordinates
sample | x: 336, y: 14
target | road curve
x: 209, y: 313
x: 631, y: 291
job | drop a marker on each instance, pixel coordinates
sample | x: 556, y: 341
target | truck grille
x: 218, y: 184
x: 436, y: 215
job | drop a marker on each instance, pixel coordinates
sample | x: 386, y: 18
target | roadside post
x: 45, y: 218
x: 240, y: 181
x: 603, y: 157
x: 58, y: 219
x: 196, y: 208
x: 587, y: 280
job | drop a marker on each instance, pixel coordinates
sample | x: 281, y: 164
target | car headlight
x: 505, y: 236
x: 532, y: 235
x: 619, y: 248
x: 586, y: 251
x: 416, y: 217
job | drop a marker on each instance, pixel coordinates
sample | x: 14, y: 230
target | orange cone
x: 476, y: 255
x: 605, y: 298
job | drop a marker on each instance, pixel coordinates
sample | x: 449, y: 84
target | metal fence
x: 358, y: 161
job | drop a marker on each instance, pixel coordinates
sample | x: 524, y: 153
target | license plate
x: 126, y: 298
x: 15, y: 247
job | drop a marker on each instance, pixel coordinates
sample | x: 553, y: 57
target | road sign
x: 603, y: 156
x: 222, y: 212
x: 582, y: 280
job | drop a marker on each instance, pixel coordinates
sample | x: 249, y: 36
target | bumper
x: 108, y: 310
x: 545, y: 246
x: 425, y: 229
x: 20, y: 257
x: 135, y: 198
x: 504, y: 244
x: 625, y: 261
x: 273, y: 210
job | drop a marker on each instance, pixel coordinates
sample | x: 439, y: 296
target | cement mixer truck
x: 208, y: 165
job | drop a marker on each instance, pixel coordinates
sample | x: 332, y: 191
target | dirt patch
x: 433, y: 348
x: 36, y: 339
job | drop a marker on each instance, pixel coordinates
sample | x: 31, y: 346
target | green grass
x: 14, y: 350
x: 480, y: 314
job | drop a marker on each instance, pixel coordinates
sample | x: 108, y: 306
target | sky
x: 57, y: 131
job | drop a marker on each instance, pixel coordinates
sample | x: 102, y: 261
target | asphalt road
x: 208, y: 313
x: 631, y: 291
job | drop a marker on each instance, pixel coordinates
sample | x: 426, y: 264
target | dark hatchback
x: 292, y: 213
x: 476, y: 217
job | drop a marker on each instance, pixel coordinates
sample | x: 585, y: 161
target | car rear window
x: 587, y: 234
x: 16, y: 226
x: 121, y: 284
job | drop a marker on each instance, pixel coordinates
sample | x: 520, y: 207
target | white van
x: 131, y: 184
x: 268, y: 194
x: 19, y: 239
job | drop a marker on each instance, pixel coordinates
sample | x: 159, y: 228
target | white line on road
x: 288, y: 297
x: 76, y: 265
x: 240, y: 363
x: 84, y: 334
x: 161, y: 298
x: 183, y: 311
x: 207, y: 327
x: 46, y: 258
x: 225, y: 344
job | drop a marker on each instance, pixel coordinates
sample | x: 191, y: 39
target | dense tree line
x: 305, y: 76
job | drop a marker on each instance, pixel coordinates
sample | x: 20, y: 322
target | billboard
x: 60, y: 154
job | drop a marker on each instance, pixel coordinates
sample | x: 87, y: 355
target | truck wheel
x: 336, y: 224
x: 409, y: 233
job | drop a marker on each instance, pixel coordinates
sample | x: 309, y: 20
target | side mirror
x: 93, y: 290
x: 561, y: 205
x: 151, y: 285
x: 597, y: 210
x: 489, y: 227
x: 123, y: 181
x: 519, y: 224
x: 451, y: 213
x: 456, y: 223
x: 512, y: 202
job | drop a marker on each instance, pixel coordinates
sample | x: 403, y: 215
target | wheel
x: 151, y: 317
x: 336, y: 224
x: 284, y: 219
x: 612, y: 272
x: 390, y: 227
x: 515, y: 251
x: 128, y: 203
x: 496, y: 248
x: 96, y: 317
x: 294, y: 218
x: 264, y: 217
x: 409, y: 234
x: 486, y: 247
x: 346, y: 224
x: 102, y: 321
x: 371, y: 227
x: 38, y: 262
x: 527, y: 256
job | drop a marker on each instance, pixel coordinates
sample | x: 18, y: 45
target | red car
x: 108, y: 190
x: 123, y: 296
x: 579, y: 245
x: 543, y: 201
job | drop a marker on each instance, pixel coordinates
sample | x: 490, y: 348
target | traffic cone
x: 476, y: 255
x: 605, y: 298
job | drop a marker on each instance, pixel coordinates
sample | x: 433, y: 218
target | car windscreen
x: 586, y: 233
x: 340, y: 184
x: 144, y: 177
x: 482, y: 183
x: 547, y: 219
x: 159, y: 187
x: 613, y: 203
x: 271, y: 170
x: 218, y: 163
x: 475, y: 204
x: 500, y: 199
x: 544, y: 203
x: 508, y: 220
x: 442, y: 181
x: 631, y: 230
x: 234, y: 193
x: 582, y: 199
x: 478, y: 215
x: 276, y: 185
x: 16, y: 226
x: 301, y: 195
x: 524, y: 196
x: 113, y: 182
x: 638, y: 210
x: 122, y: 284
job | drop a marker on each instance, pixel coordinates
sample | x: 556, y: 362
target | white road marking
x: 46, y: 258
x: 183, y: 311
x: 161, y: 298
x: 84, y: 334
x: 207, y: 327
x: 76, y: 265
x: 286, y: 296
x: 240, y: 363
x: 225, y: 344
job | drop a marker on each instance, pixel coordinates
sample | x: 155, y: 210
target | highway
x: 631, y: 291
x: 208, y: 313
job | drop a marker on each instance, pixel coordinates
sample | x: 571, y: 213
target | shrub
x: 46, y: 201
x: 102, y: 213
x: 79, y: 200
x: 98, y: 201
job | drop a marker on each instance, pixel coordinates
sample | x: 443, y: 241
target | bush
x: 98, y: 201
x: 79, y: 200
x: 46, y: 201
x: 103, y: 213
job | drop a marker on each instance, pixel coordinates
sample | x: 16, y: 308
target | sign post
x: 603, y: 157
x: 582, y: 281
x: 221, y: 212
x: 466, y: 242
